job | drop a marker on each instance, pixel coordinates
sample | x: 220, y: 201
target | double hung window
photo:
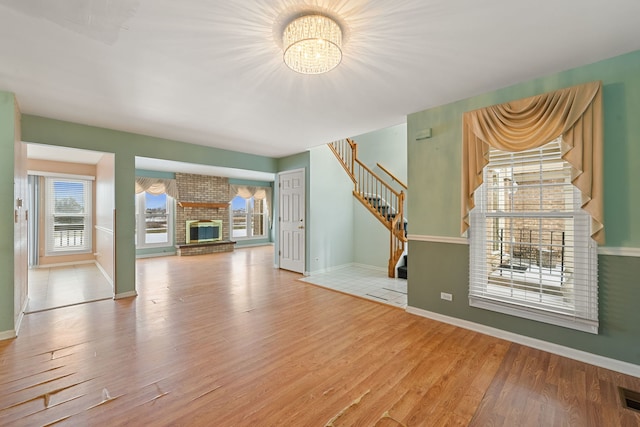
x: 531, y: 251
x: 248, y: 218
x: 154, y: 220
x: 68, y: 224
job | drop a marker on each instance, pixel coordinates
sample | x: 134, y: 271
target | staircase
x: 383, y: 201
x: 402, y: 270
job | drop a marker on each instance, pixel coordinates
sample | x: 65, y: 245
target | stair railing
x: 392, y: 176
x: 383, y: 201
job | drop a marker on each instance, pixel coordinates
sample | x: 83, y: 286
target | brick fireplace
x: 202, y: 197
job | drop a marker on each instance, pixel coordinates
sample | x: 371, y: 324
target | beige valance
x: 157, y: 186
x: 575, y: 113
x: 249, y: 191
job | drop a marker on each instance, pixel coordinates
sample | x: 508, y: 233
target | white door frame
x: 292, y: 249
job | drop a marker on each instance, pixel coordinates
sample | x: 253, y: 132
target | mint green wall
x: 371, y: 237
x: 7, y: 132
x: 330, y: 218
x: 434, y: 168
x: 155, y: 174
x: 388, y: 147
x: 126, y: 147
x: 434, y: 164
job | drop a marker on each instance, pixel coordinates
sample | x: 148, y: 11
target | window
x: 68, y: 216
x: 248, y: 218
x: 531, y: 251
x: 154, y: 220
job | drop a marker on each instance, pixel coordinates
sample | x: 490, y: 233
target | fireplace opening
x: 204, y: 230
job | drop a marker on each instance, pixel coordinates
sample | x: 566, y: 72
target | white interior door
x: 292, y: 220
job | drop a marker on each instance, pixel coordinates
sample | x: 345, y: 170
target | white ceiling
x: 211, y: 72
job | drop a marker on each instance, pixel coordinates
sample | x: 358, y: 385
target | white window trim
x: 141, y: 223
x: 493, y: 302
x: 249, y: 216
x: 48, y: 222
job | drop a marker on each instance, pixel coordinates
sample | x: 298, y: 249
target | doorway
x: 70, y: 238
x: 292, y: 224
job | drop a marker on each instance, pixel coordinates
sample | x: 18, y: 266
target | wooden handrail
x: 342, y: 162
x: 393, y: 177
x: 382, y: 200
x: 375, y: 175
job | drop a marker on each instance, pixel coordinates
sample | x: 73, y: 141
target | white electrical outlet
x: 445, y: 296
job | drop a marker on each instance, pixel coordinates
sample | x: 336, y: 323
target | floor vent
x: 630, y: 399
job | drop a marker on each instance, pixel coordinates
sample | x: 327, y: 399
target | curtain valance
x: 157, y: 186
x: 574, y: 113
x: 249, y: 191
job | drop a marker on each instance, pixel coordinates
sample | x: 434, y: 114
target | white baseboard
x: 252, y: 245
x: 65, y: 264
x: 341, y: 266
x: 10, y: 334
x: 582, y: 356
x: 7, y: 335
x: 126, y: 295
x: 156, y: 255
x: 104, y: 273
x: 21, y: 316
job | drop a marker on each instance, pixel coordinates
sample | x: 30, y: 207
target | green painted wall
x: 7, y: 132
x: 388, y: 147
x: 155, y: 174
x: 330, y: 219
x: 434, y: 168
x: 434, y: 164
x: 126, y: 147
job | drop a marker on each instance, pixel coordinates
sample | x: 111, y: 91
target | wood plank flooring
x: 227, y: 340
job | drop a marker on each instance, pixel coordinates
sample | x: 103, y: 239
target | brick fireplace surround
x: 206, y: 190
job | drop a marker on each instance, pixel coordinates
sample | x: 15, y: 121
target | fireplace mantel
x: 203, y: 205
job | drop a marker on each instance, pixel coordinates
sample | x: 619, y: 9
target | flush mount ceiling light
x: 312, y: 44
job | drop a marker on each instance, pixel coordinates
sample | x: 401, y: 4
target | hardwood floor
x: 227, y: 340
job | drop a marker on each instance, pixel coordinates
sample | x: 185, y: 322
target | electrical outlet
x: 445, y: 296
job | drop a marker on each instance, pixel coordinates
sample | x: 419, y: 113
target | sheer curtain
x: 575, y: 113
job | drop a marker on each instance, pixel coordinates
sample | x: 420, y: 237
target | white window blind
x: 531, y: 251
x: 68, y: 215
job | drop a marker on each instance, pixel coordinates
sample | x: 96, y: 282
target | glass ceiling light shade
x: 312, y: 44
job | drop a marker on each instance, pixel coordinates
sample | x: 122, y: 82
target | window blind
x: 531, y: 251
x: 68, y: 215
